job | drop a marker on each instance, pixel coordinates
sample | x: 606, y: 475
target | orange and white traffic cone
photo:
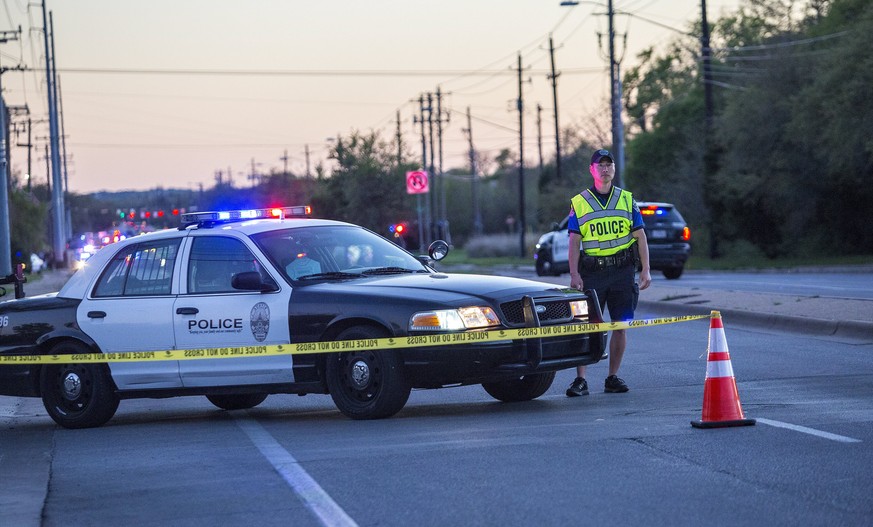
x: 721, y: 402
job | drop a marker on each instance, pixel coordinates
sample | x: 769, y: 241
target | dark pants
x: 616, y: 289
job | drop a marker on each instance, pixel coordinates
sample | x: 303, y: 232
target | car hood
x: 441, y: 288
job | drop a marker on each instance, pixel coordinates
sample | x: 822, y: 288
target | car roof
x: 79, y: 282
x: 654, y: 204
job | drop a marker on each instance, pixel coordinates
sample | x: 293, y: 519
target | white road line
x: 805, y: 430
x: 310, y: 492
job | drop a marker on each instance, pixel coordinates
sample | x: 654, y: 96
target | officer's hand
x: 645, y: 278
x: 576, y: 281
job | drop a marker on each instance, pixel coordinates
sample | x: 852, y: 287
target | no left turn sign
x: 417, y: 182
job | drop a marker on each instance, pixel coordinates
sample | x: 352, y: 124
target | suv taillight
x: 686, y: 234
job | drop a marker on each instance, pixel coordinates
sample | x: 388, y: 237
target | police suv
x: 264, y: 279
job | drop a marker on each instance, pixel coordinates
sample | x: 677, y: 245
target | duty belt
x: 596, y: 263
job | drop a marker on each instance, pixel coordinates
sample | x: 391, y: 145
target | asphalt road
x: 456, y: 456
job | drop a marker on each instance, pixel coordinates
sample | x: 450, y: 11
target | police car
x: 258, y: 279
x: 667, y: 234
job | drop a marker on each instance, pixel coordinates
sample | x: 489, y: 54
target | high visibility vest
x: 605, y: 230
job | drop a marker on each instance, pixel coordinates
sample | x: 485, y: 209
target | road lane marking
x: 811, y: 431
x: 310, y: 492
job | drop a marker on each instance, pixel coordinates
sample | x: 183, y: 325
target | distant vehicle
x: 37, y: 264
x: 668, y: 236
x: 273, y: 277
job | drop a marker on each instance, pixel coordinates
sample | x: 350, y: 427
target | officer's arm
x: 573, y: 260
x: 645, y: 273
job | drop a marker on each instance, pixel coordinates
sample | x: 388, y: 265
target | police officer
x: 605, y: 223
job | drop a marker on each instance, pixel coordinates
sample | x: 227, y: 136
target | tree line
x: 783, y: 170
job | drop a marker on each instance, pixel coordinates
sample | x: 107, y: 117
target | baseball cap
x: 600, y: 154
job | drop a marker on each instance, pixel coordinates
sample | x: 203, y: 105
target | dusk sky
x: 206, y: 86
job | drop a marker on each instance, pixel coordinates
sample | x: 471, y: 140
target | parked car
x: 250, y: 279
x: 669, y: 239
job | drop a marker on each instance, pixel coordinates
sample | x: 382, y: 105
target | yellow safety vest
x: 605, y: 230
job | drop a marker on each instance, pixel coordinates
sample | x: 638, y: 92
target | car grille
x: 556, y: 312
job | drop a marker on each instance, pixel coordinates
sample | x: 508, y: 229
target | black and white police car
x: 268, y: 277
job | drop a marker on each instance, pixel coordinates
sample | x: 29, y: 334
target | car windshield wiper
x: 390, y: 270
x: 329, y: 276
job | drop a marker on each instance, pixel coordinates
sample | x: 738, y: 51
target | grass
x: 458, y: 256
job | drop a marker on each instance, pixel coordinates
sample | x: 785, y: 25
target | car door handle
x: 187, y: 310
x: 96, y: 314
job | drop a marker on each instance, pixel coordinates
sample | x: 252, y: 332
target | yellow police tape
x: 336, y: 346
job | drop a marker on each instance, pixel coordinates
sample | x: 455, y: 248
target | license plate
x: 659, y: 234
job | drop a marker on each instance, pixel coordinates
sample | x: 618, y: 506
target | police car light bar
x: 226, y: 216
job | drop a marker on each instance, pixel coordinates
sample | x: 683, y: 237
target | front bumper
x: 434, y: 367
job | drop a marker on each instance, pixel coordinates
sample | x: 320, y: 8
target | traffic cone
x: 721, y: 402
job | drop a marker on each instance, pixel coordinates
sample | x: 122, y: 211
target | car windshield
x: 334, y: 252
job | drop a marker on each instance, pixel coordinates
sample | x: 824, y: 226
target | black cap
x: 600, y: 154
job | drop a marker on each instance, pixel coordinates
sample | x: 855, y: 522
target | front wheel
x: 544, y: 265
x: 524, y: 388
x: 237, y: 401
x: 366, y: 384
x: 77, y: 395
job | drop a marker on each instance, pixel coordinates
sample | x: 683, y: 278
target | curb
x: 847, y: 329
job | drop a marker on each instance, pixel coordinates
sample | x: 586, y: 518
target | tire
x: 673, y: 273
x: 524, y: 388
x: 544, y: 265
x: 77, y: 395
x: 237, y: 401
x: 366, y: 384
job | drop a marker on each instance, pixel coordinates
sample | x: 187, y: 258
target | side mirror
x: 555, y: 226
x: 252, y: 281
x: 438, y: 250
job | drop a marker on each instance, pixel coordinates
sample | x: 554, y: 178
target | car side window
x: 140, y: 270
x: 214, y: 261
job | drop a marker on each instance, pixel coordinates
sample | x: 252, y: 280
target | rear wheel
x: 77, y: 395
x: 366, y: 384
x: 524, y: 388
x: 673, y: 273
x: 237, y: 401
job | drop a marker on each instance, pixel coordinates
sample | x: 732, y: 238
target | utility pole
x: 540, y: 136
x: 435, y: 213
x: 5, y: 236
x: 57, y: 207
x: 521, y: 225
x: 444, y: 218
x: 284, y: 158
x: 710, y: 161
x: 477, y: 216
x: 308, y: 170
x: 399, y: 136
x: 422, y: 232
x: 615, y: 92
x: 554, y: 79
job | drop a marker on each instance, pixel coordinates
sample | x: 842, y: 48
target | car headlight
x: 579, y: 308
x: 454, y: 319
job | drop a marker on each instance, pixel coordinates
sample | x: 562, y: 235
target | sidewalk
x: 842, y: 318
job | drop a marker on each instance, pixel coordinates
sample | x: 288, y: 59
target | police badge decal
x: 260, y: 321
